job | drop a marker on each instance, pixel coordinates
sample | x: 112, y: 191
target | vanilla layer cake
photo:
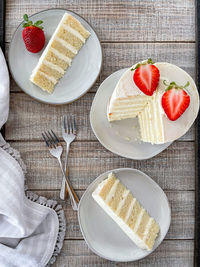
x: 118, y: 202
x: 128, y: 101
x: 63, y: 46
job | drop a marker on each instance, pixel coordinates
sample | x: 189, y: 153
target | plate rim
x: 86, y: 191
x: 65, y: 102
x: 111, y: 149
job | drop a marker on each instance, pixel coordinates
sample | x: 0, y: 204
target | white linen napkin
x: 32, y: 228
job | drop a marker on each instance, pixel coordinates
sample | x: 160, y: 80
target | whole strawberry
x: 175, y: 100
x: 33, y: 35
x: 146, y: 77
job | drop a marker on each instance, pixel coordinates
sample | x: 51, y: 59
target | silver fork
x: 69, y: 134
x: 55, y: 148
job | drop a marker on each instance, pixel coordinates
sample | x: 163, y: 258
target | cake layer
x: 126, y: 211
x: 63, y: 46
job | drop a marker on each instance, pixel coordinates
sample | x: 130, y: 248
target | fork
x: 69, y: 134
x: 55, y: 148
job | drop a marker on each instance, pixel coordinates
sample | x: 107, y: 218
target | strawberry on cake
x: 161, y: 95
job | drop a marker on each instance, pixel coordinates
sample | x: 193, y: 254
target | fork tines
x: 69, y: 123
x: 50, y: 139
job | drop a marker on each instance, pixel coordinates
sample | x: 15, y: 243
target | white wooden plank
x: 119, y: 20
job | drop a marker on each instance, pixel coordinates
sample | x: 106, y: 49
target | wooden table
x: 129, y: 31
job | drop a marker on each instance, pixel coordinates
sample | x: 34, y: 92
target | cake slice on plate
x: 63, y: 46
x: 119, y: 203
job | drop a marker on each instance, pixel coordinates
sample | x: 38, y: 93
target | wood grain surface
x: 129, y: 31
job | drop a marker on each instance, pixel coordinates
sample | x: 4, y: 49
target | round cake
x: 161, y: 95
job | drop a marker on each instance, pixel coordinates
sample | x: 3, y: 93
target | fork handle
x: 73, y: 200
x: 63, y: 189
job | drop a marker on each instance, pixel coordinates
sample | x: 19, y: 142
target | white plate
x: 77, y: 80
x: 120, y: 137
x: 103, y: 235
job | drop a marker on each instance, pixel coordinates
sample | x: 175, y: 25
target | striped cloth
x: 32, y: 228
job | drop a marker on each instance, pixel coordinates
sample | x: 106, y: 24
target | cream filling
x: 53, y: 66
x: 121, y: 203
x: 130, y: 210
x: 74, y: 32
x: 67, y: 45
x: 148, y: 226
x: 112, y: 191
x: 61, y: 56
x: 50, y: 78
x: 139, y: 219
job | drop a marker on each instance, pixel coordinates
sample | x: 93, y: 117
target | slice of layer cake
x: 63, y: 46
x: 118, y: 202
x: 128, y: 101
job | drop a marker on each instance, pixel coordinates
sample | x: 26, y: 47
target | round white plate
x: 103, y: 236
x: 120, y: 137
x: 77, y: 80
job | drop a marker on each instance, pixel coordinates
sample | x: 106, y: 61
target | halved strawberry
x: 175, y: 100
x: 146, y: 77
x: 33, y: 35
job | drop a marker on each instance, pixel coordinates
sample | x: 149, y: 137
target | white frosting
x: 126, y: 88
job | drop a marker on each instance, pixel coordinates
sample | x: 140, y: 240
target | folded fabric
x: 32, y: 228
x: 4, y: 90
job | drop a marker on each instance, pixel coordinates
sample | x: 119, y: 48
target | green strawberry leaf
x: 27, y: 24
x: 149, y: 61
x: 174, y: 85
x: 25, y: 17
x: 37, y: 23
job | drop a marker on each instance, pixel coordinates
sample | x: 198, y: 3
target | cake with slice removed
x: 63, y: 46
x: 141, y: 93
x: 119, y: 203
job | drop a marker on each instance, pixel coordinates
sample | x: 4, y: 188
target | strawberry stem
x: 30, y: 23
x: 174, y: 85
x: 149, y: 61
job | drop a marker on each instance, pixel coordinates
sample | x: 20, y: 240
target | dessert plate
x: 103, y: 236
x: 78, y: 79
x: 120, y: 137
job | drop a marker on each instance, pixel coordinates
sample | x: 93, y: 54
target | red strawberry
x: 33, y: 35
x: 146, y: 77
x: 175, y: 100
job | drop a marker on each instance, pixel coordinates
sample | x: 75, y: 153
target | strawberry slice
x: 146, y: 77
x: 175, y: 100
x: 33, y: 35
